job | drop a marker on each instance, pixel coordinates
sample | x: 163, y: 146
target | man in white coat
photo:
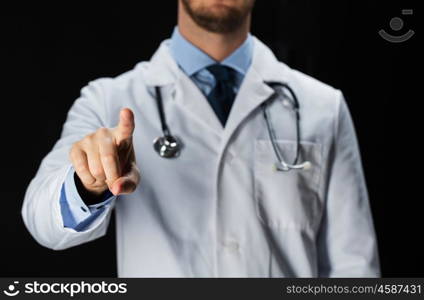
x: 219, y: 208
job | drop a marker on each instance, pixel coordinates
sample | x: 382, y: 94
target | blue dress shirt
x: 193, y: 61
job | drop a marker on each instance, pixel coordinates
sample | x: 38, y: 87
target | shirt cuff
x: 75, y: 213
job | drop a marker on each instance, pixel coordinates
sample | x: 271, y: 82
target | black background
x: 46, y: 60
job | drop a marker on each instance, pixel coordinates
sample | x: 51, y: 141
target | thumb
x: 126, y: 125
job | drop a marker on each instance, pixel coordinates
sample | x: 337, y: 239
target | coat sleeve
x: 346, y: 242
x: 41, y: 207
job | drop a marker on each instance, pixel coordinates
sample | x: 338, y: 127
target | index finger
x: 126, y: 125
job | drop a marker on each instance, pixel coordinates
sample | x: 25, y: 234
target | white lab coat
x: 220, y: 210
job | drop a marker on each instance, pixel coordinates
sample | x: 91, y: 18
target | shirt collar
x: 191, y: 59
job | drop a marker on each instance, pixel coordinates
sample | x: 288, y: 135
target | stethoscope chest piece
x: 167, y: 146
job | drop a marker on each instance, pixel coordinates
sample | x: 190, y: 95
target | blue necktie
x: 222, y: 96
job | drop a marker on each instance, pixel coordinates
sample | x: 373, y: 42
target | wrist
x: 90, y: 196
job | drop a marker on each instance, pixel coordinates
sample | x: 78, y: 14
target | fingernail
x: 115, y: 191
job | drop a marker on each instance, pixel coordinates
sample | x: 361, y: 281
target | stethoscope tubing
x: 168, y: 146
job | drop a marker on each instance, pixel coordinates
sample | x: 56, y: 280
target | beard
x: 223, y: 20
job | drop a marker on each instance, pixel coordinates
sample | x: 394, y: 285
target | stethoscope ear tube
x: 281, y: 164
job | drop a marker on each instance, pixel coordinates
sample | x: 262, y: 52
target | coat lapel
x: 254, y: 91
x: 164, y: 71
x: 192, y: 99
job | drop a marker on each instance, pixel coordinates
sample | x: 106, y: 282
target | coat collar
x: 162, y: 70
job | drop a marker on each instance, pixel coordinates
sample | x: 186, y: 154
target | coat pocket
x: 287, y: 199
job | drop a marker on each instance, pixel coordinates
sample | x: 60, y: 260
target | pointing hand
x: 105, y: 159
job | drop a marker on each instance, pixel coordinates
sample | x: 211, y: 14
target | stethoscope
x: 293, y: 102
x: 169, y: 146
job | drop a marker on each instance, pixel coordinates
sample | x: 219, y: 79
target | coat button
x: 229, y: 157
x: 232, y: 246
